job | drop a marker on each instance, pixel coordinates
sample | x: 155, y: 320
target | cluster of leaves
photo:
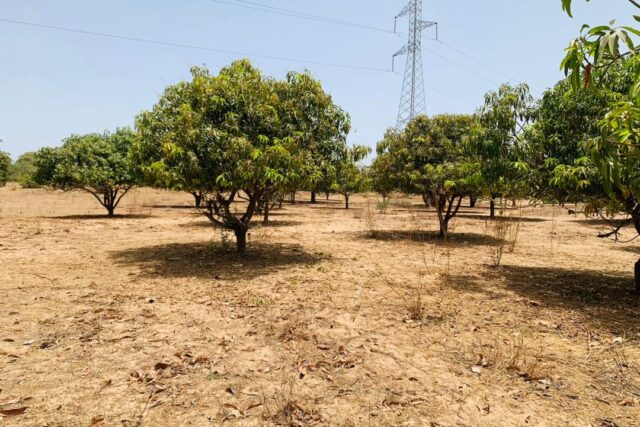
x: 95, y: 163
x: 23, y: 169
x: 5, y: 166
x: 604, y: 61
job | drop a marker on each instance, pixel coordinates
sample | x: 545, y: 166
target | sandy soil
x: 335, y: 317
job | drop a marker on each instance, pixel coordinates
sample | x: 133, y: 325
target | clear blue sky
x: 53, y: 84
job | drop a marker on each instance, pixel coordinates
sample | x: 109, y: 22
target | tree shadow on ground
x: 630, y: 249
x: 98, y: 217
x: 171, y: 207
x: 455, y: 239
x: 607, y: 299
x: 184, y: 260
x: 506, y: 218
x: 256, y: 224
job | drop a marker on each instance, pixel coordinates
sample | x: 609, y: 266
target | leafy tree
x: 381, y: 175
x: 23, y: 169
x: 555, y: 148
x: 234, y: 136
x: 5, y: 165
x: 348, y: 177
x: 319, y: 126
x: 95, y: 163
x: 430, y: 158
x: 497, y: 138
x: 615, y: 153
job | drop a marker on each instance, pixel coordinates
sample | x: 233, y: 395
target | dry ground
x: 335, y: 317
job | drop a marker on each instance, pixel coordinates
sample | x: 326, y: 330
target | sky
x: 55, y: 83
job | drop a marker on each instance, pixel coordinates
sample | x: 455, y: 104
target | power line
x: 297, y: 14
x: 189, y: 46
x: 487, y: 66
x: 462, y: 67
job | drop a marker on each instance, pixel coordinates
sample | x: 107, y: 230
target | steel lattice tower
x: 413, y: 99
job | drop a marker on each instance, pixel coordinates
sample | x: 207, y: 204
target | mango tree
x: 5, y: 165
x: 233, y: 136
x: 319, y: 126
x: 615, y: 153
x: 95, y: 163
x: 497, y: 136
x: 430, y: 158
x: 348, y: 176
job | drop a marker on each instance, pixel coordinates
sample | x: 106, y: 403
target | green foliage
x: 5, y: 165
x: 497, y: 139
x: 23, y: 169
x: 381, y: 176
x: 348, y: 177
x: 238, y: 135
x: 95, y: 163
x: 556, y: 150
x: 430, y: 158
x: 590, y: 62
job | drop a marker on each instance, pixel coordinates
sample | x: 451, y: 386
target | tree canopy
x: 237, y: 135
x: 498, y: 137
x: 431, y: 158
x: 5, y: 166
x: 95, y: 163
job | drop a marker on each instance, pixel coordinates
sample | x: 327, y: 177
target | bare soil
x: 334, y: 317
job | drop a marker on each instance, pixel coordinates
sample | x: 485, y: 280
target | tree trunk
x: 426, y: 200
x: 313, y: 197
x: 346, y: 201
x: 492, y: 207
x: 444, y: 228
x: 327, y: 194
x: 473, y: 200
x: 293, y: 197
x: 198, y: 199
x: 111, y: 211
x: 241, y: 240
x: 637, y: 277
x: 265, y: 218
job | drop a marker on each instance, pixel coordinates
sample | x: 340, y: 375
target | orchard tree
x: 23, y: 169
x: 430, y: 158
x: 234, y: 136
x: 555, y: 149
x: 348, y: 176
x: 319, y: 126
x: 95, y: 163
x: 5, y: 166
x: 382, y: 178
x: 615, y: 153
x: 497, y: 137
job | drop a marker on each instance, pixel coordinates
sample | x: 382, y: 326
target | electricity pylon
x: 412, y: 101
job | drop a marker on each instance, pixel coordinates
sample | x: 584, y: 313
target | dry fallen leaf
x: 13, y: 412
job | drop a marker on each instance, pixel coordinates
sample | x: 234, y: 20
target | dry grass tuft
x: 512, y: 355
x: 287, y: 409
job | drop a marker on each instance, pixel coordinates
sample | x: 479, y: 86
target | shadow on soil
x: 171, y: 207
x: 182, y: 260
x: 607, y: 299
x: 506, y: 218
x: 96, y: 217
x: 254, y: 225
x: 456, y: 239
